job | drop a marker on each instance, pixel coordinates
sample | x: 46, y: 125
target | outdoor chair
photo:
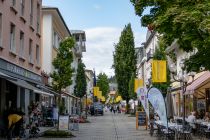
x: 185, y: 133
x: 204, y: 132
x: 168, y: 134
x: 153, y: 128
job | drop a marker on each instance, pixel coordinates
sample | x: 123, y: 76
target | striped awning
x: 199, y: 84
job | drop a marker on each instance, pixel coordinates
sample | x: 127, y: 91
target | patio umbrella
x: 169, y: 105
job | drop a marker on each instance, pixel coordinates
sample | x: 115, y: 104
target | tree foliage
x: 103, y: 83
x: 125, y: 61
x: 80, y: 88
x: 132, y: 94
x: 185, y: 20
x: 160, y: 55
x: 61, y: 77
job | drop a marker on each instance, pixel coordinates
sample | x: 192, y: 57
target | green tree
x: 80, y: 88
x: 131, y: 88
x: 103, y: 83
x: 125, y: 61
x: 61, y: 76
x: 188, y: 21
x: 160, y: 55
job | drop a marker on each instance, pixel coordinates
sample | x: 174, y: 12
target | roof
x: 75, y: 32
x: 61, y: 17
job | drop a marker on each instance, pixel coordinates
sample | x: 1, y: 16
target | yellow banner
x: 103, y: 99
x: 99, y: 94
x: 159, y: 71
x: 138, y: 83
x: 95, y: 91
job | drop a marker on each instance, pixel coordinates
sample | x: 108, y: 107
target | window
x: 37, y: 54
x: 30, y: 51
x: 31, y: 12
x: 12, y: 38
x: 21, y: 44
x: 56, y: 40
x: 0, y: 29
x: 22, y: 5
x: 13, y: 2
x: 38, y: 18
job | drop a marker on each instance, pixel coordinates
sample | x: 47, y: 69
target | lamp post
x: 183, y: 78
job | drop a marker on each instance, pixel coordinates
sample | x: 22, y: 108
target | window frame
x: 1, y: 22
x: 22, y: 7
x: 30, y: 50
x: 12, y: 38
x: 37, y: 54
x: 22, y: 47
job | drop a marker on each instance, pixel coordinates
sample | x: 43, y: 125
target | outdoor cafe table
x: 173, y: 126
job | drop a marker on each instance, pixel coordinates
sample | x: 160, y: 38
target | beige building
x: 20, y: 53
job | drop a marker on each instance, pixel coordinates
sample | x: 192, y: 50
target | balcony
x: 78, y: 50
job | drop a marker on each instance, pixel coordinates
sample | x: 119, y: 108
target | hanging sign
x: 142, y: 96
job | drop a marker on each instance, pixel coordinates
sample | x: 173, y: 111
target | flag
x: 138, y: 83
x: 99, y: 95
x: 94, y: 78
x: 95, y: 91
x: 159, y: 71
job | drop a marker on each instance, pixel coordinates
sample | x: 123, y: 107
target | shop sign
x: 63, y: 122
x: 19, y: 71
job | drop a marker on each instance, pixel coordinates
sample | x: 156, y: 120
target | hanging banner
x: 142, y: 96
x: 138, y: 83
x: 159, y: 71
x: 95, y: 91
x: 155, y: 97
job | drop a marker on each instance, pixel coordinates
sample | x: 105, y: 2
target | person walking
x: 114, y: 109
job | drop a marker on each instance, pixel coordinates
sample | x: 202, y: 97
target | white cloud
x: 100, y: 47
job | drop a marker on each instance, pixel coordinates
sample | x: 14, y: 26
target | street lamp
x: 183, y: 78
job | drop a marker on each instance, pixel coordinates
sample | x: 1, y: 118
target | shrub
x: 58, y: 134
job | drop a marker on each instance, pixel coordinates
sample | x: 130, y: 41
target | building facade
x: 54, y: 30
x: 20, y: 53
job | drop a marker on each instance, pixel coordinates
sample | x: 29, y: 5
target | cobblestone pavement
x: 109, y: 127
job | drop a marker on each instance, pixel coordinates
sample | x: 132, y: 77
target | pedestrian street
x: 109, y: 127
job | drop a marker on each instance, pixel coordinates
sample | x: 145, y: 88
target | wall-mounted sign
x: 19, y: 71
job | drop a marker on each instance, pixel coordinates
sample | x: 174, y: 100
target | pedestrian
x: 111, y: 108
x: 115, y: 108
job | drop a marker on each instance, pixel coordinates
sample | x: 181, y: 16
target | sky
x: 102, y: 21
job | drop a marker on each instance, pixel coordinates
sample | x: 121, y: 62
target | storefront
x: 19, y: 88
x: 197, y: 96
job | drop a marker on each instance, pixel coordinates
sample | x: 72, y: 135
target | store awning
x: 5, y: 76
x: 199, y: 84
x: 26, y: 85
x: 42, y: 92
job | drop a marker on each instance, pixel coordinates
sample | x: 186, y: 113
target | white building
x: 144, y: 57
x: 54, y: 30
